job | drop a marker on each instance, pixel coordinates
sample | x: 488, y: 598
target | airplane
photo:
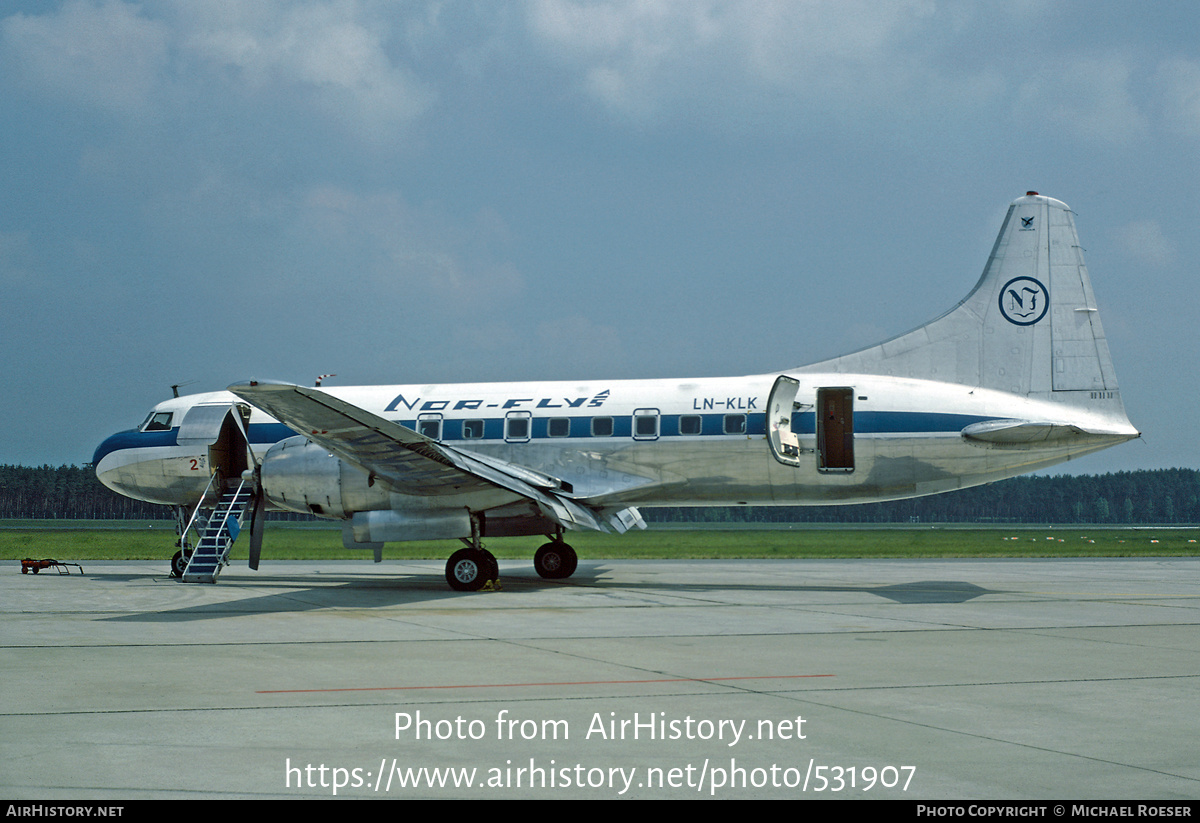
x: 1016, y: 377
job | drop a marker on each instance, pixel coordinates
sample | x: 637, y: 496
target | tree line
x: 1162, y: 496
x: 74, y: 493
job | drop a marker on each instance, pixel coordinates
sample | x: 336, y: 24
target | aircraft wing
x: 407, y: 461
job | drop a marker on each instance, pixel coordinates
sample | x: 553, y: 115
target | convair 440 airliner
x: 1014, y: 378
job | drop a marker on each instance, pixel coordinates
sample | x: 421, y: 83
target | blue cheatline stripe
x: 133, y: 439
x: 711, y: 425
x: 883, y: 422
x: 266, y: 434
x: 714, y: 425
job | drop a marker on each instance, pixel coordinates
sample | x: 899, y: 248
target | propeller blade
x: 257, y: 522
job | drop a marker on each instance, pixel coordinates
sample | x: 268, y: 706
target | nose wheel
x: 555, y: 560
x: 179, y: 563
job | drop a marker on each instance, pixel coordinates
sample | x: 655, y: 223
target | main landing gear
x: 474, y: 567
x: 555, y: 560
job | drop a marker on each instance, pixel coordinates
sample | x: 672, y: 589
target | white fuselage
x: 658, y: 442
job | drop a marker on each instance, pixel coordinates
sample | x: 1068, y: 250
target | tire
x: 572, y: 561
x: 179, y: 563
x: 493, y: 565
x: 467, y: 570
x: 555, y: 561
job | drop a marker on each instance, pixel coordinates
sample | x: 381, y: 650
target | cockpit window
x: 157, y: 422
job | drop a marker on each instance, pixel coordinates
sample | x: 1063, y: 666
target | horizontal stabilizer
x: 1027, y: 434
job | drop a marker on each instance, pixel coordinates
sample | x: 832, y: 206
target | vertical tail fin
x: 1030, y: 325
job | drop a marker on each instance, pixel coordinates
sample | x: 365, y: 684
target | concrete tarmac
x: 965, y: 679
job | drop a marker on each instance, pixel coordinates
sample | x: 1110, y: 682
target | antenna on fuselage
x: 175, y: 387
x: 321, y: 377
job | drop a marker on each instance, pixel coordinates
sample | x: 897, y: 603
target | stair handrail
x: 232, y: 501
x: 196, y: 512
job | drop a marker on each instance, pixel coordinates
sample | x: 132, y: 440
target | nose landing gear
x: 179, y: 562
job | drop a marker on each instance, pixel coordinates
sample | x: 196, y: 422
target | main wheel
x: 468, y: 570
x: 493, y: 567
x: 179, y: 563
x: 572, y: 560
x: 555, y: 560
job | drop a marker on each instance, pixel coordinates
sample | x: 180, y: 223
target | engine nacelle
x: 392, y: 526
x: 300, y: 476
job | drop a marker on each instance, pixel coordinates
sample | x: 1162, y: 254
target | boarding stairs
x: 218, y: 534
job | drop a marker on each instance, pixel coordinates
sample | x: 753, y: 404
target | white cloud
x: 333, y: 56
x: 794, y: 61
x: 102, y: 54
x: 639, y: 58
x: 334, y: 52
x: 621, y: 49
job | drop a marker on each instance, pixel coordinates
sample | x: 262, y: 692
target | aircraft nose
x: 147, y: 465
x: 107, y: 462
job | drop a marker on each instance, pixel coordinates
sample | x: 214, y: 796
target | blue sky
x: 206, y: 192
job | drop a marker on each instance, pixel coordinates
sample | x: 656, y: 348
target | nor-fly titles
x: 656, y: 726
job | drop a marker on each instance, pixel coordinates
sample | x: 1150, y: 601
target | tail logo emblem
x: 1024, y: 301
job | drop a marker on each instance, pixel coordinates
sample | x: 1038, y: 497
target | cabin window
x: 689, y: 424
x: 602, y: 427
x: 735, y: 424
x: 472, y: 429
x: 558, y: 427
x: 516, y: 427
x: 431, y: 427
x: 645, y: 424
x: 158, y: 422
